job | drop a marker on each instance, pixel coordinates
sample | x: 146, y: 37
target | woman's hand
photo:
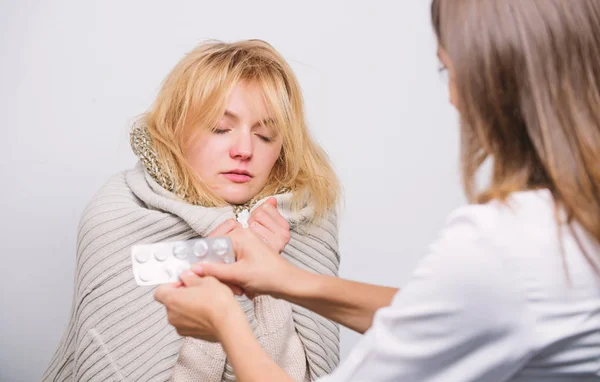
x: 202, y: 309
x: 268, y: 223
x: 259, y: 268
x: 225, y: 228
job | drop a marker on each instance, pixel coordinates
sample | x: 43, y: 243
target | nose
x: 241, y: 147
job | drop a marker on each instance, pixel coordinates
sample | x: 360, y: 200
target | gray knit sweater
x: 117, y: 331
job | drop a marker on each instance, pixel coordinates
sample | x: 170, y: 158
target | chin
x: 233, y: 200
x: 237, y: 196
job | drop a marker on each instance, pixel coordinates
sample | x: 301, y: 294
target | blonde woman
x: 224, y: 144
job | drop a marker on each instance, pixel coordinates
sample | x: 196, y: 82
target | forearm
x: 349, y: 303
x: 250, y: 362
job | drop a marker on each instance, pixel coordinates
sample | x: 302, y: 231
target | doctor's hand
x: 259, y: 269
x: 201, y: 308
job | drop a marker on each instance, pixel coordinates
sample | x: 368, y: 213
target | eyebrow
x: 264, y: 122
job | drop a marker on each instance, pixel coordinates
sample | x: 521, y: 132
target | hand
x: 225, y: 228
x: 259, y: 268
x: 268, y: 223
x: 200, y: 309
x: 222, y: 229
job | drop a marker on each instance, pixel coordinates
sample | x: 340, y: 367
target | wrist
x: 291, y: 282
x: 230, y: 317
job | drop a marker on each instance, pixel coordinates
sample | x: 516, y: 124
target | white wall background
x: 74, y: 74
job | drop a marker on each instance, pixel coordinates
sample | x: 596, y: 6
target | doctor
x: 510, y: 290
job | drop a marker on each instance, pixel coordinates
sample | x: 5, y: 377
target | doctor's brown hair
x: 527, y: 76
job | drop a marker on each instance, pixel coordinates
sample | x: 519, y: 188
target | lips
x: 238, y: 176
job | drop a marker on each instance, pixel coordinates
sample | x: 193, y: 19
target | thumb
x: 272, y: 201
x: 227, y: 273
x: 162, y: 293
x: 189, y: 278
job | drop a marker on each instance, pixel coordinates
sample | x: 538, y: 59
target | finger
x: 198, y: 269
x: 278, y: 218
x: 268, y: 236
x: 270, y: 206
x: 273, y: 233
x: 190, y: 278
x: 224, y: 228
x: 162, y: 293
x: 264, y: 219
x: 273, y: 219
x: 235, y: 289
x: 226, y: 273
x: 247, y: 244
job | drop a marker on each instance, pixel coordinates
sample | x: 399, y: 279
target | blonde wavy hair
x: 194, y: 95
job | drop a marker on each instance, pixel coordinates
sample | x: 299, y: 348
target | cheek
x: 267, y: 158
x: 201, y: 156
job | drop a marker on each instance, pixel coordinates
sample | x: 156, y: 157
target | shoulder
x: 111, y: 201
x: 113, y: 206
x: 482, y: 248
x: 528, y: 216
x: 323, y: 229
x: 467, y: 280
x: 113, y: 194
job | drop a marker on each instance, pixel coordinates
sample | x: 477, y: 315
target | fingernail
x: 197, y: 269
x: 187, y: 273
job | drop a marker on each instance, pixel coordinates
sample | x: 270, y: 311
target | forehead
x: 247, y: 99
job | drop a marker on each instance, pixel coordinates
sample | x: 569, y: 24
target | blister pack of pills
x: 163, y: 262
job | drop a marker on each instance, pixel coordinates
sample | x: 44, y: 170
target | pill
x: 146, y: 274
x: 200, y: 248
x: 220, y: 247
x: 160, y: 255
x: 164, y: 262
x: 142, y: 257
x: 180, y: 250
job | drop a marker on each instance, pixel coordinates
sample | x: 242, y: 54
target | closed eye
x: 265, y: 138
